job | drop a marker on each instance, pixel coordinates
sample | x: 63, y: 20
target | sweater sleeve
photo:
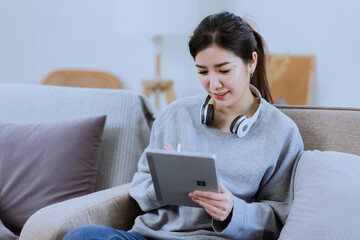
x: 265, y: 216
x: 142, y: 188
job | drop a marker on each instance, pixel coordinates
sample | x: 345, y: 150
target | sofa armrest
x: 111, y: 207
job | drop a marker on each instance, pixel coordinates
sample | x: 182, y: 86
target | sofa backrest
x: 130, y: 116
x: 127, y: 128
x: 327, y: 129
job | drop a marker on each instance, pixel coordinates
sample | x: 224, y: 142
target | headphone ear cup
x: 202, y: 115
x: 209, y: 114
x: 235, y: 124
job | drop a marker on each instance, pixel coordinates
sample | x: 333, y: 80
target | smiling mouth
x: 220, y: 95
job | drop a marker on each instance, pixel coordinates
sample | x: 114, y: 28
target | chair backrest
x: 127, y: 128
x: 327, y: 129
x: 77, y: 78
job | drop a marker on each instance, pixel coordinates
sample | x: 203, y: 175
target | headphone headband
x: 245, y: 124
x: 241, y: 124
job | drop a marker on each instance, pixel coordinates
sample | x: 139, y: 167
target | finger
x: 213, y: 211
x: 169, y: 147
x: 223, y: 189
x: 222, y: 201
x: 206, y: 205
x: 212, y: 197
x: 206, y: 194
x: 218, y: 203
x: 215, y: 215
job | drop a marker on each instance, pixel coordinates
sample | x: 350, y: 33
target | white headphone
x: 241, y: 124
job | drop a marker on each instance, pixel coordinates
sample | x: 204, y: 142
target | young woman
x: 256, y: 146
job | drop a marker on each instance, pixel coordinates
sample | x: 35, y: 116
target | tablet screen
x: 176, y: 174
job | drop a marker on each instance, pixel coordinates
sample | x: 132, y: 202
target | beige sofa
x: 125, y: 136
x: 324, y: 129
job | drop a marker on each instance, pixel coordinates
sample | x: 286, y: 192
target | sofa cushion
x: 41, y: 164
x: 326, y: 197
x: 6, y: 233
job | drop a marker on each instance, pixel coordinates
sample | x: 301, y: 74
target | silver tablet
x: 176, y: 174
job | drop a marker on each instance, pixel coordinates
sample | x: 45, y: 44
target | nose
x: 215, y: 82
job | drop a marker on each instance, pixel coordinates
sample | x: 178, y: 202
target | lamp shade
x: 157, y: 17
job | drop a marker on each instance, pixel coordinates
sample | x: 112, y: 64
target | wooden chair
x: 290, y: 78
x: 77, y: 78
x: 159, y: 86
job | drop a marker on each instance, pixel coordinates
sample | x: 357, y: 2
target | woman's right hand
x: 169, y: 147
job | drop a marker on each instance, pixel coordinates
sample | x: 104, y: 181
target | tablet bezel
x: 176, y: 174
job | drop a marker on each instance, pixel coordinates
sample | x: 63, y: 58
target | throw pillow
x: 42, y: 164
x: 326, y: 197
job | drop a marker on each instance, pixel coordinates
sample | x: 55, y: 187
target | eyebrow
x: 216, y: 65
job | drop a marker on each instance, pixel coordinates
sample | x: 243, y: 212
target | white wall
x: 41, y: 36
x: 328, y: 29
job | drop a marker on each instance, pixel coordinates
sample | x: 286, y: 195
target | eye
x: 224, y: 71
x: 203, y: 72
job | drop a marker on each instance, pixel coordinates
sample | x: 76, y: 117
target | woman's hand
x: 169, y: 147
x: 217, y: 205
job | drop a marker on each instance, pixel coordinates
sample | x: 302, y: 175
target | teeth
x: 219, y: 94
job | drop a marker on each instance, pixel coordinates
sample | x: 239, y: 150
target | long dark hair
x: 234, y: 34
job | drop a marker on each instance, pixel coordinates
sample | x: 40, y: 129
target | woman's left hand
x: 217, y: 205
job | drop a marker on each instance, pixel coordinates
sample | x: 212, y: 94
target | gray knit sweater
x: 257, y: 169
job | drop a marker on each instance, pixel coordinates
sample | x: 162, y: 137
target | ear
x: 253, y: 63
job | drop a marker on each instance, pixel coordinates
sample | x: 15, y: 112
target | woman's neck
x: 224, y: 116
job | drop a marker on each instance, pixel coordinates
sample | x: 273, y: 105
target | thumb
x: 223, y: 189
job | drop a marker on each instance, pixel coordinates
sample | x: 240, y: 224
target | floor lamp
x: 158, y: 85
x: 158, y: 19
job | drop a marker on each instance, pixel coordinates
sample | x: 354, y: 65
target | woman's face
x: 224, y: 76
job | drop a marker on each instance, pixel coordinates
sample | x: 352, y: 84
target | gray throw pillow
x: 326, y: 197
x: 42, y: 164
